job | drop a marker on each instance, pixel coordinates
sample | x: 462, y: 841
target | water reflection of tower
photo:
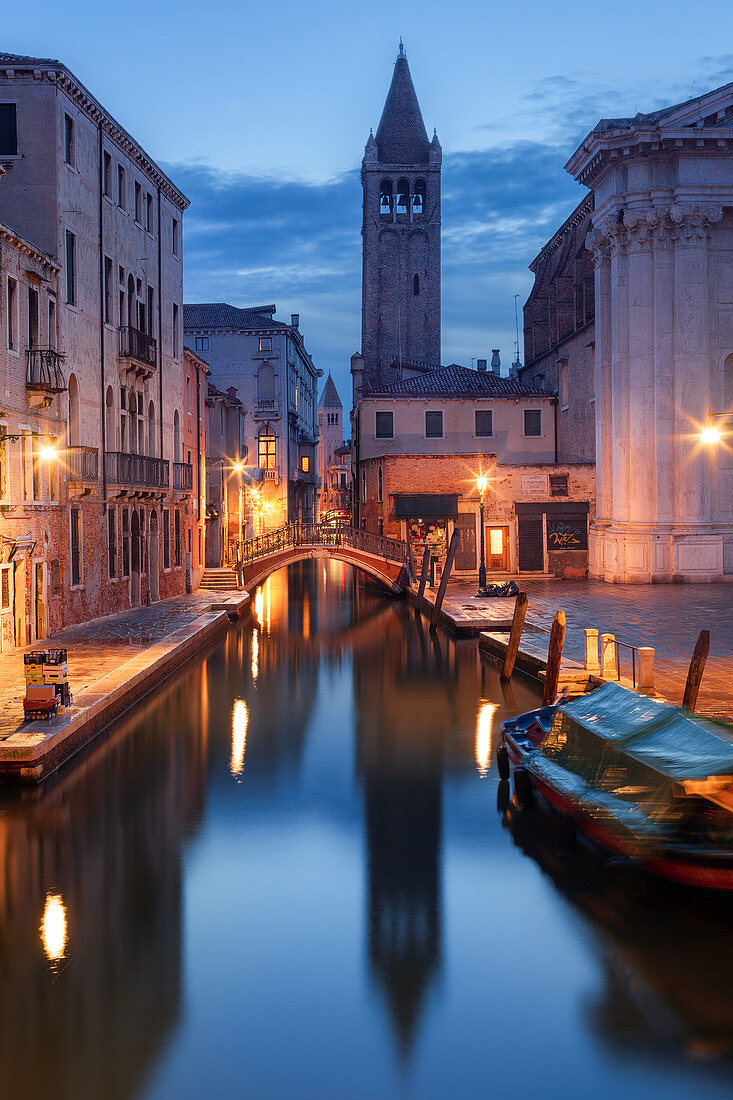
x: 401, y: 764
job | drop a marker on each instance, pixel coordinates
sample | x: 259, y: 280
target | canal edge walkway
x: 30, y: 751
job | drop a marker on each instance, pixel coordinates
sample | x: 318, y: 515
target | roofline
x: 584, y: 207
x: 8, y: 234
x: 189, y: 353
x: 83, y: 98
x: 461, y: 395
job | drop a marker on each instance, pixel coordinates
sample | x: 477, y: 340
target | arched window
x: 132, y: 418
x: 266, y: 383
x: 176, y: 437
x: 418, y: 199
x: 416, y: 285
x: 403, y: 196
x: 73, y: 411
x: 385, y: 197
x: 151, y: 429
x: 109, y: 418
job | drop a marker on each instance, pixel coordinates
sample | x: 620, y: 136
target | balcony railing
x: 82, y: 463
x: 137, y: 345
x: 268, y: 409
x: 124, y: 469
x: 182, y: 475
x: 273, y: 474
x: 44, y: 370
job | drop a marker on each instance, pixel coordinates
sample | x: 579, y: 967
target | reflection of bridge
x: 388, y: 560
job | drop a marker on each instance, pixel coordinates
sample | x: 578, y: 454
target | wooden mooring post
x: 515, y: 635
x: 452, y: 551
x: 423, y: 575
x: 697, y: 667
x: 554, y: 657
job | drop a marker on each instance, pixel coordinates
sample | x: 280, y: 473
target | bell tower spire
x: 401, y: 181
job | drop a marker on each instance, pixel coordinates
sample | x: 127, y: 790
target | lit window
x: 305, y: 464
x: 265, y: 343
x: 266, y: 452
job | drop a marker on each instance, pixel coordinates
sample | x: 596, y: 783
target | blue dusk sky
x: 259, y: 112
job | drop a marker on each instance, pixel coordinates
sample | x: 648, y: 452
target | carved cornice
x: 651, y: 226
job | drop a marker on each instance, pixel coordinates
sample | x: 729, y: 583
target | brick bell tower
x: 400, y: 174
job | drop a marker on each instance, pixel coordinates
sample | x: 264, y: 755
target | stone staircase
x: 218, y: 580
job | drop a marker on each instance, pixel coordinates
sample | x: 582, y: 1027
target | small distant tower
x: 400, y: 174
x: 330, y: 430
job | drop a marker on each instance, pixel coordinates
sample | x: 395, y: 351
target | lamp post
x: 481, y: 486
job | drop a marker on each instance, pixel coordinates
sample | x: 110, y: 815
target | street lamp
x: 481, y: 483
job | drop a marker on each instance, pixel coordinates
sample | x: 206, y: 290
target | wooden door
x: 19, y: 602
x: 466, y: 556
x: 40, y: 601
x: 531, y: 550
x: 497, y: 549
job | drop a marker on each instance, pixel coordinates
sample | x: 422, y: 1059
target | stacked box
x: 34, y: 662
x: 55, y: 667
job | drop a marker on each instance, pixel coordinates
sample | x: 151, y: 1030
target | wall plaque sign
x: 535, y: 485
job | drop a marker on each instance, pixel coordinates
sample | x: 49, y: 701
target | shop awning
x: 426, y: 505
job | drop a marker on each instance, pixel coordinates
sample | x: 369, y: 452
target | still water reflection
x: 287, y: 877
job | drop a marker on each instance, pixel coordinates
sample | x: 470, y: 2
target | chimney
x: 495, y: 361
x: 232, y: 391
x: 294, y: 319
x: 481, y: 364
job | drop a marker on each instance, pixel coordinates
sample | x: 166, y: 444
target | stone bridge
x: 387, y: 560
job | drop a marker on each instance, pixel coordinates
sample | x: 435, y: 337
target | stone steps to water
x: 218, y: 580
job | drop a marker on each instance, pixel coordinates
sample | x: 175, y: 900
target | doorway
x: 497, y: 549
x: 40, y: 599
x: 19, y: 602
x: 153, y: 560
x: 531, y: 549
x: 135, y: 576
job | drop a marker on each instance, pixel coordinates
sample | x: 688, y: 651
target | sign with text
x: 567, y: 532
x: 536, y: 485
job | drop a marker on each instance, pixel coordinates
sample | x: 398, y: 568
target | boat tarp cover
x: 624, y: 757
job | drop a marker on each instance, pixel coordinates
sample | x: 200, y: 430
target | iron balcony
x: 138, y: 350
x: 44, y: 370
x: 182, y: 475
x: 137, y: 470
x: 82, y: 463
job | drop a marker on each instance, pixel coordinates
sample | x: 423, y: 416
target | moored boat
x: 637, y: 777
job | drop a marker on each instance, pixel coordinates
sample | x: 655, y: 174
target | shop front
x: 552, y: 537
x: 427, y: 520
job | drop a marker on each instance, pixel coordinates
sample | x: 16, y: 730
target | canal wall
x: 38, y: 748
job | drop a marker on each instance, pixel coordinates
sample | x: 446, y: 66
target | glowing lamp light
x: 710, y: 435
x: 238, y: 467
x: 54, y: 932
x: 240, y: 721
x: 481, y: 483
x: 48, y: 454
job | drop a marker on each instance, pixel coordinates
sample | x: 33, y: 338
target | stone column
x: 620, y: 375
x: 640, y: 380
x: 663, y: 401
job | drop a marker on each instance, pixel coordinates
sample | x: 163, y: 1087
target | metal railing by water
x: 634, y: 650
x: 135, y: 344
x: 323, y: 534
x: 44, y: 370
x: 82, y: 463
x: 182, y: 475
x: 124, y: 469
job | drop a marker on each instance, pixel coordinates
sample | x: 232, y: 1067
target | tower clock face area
x: 401, y: 237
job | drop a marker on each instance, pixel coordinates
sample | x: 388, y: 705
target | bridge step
x: 218, y: 580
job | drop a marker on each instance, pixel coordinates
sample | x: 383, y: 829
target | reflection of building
x: 97, y: 367
x: 267, y: 361
x: 103, y: 840
x: 334, y: 457
x: 648, y: 366
x: 225, y: 485
x: 423, y: 442
x: 194, y: 444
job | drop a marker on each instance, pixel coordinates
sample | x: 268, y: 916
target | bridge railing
x: 323, y: 534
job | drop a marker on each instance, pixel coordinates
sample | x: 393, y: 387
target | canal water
x: 288, y: 876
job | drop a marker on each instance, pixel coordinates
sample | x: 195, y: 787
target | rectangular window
x: 175, y: 331
x: 106, y: 174
x: 125, y: 543
x: 8, y: 130
x: 166, y: 539
x: 121, y: 196
x: 5, y: 601
x: 305, y: 464
x: 33, y: 318
x: 265, y: 343
x: 151, y: 309
x: 108, y: 290
x: 564, y: 384
x: 53, y: 474
x: 533, y: 422
x: 363, y: 486
x: 55, y: 577
x: 202, y: 343
x: 52, y: 322
x: 484, y: 422
x: 433, y: 425
x: 188, y: 394
x: 12, y: 314
x: 138, y: 203
x: 380, y: 484
x: 70, y: 268
x: 174, y: 237
x: 69, y: 140
x: 384, y: 425
x: 149, y: 212
x: 558, y: 485
x: 112, y: 542
x: 177, y: 536
x: 26, y: 465
x: 266, y: 452
x: 76, y: 564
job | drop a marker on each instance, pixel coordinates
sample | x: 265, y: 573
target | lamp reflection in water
x: 54, y: 931
x: 240, y: 721
x: 260, y: 605
x: 484, y: 724
x: 255, y: 653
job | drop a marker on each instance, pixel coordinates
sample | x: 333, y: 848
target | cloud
x: 250, y: 239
